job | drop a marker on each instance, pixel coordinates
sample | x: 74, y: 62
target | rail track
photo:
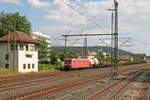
x: 39, y: 75
x: 18, y: 78
x: 42, y: 81
x: 32, y: 94
x: 5, y: 80
x: 129, y: 78
x: 31, y: 83
x: 44, y: 91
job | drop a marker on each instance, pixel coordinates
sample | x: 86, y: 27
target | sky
x: 58, y: 17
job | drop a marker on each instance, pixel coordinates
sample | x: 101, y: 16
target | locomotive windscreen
x: 68, y: 61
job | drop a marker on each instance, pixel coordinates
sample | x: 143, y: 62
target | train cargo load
x: 93, y: 62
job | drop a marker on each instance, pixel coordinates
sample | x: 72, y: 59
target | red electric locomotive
x: 76, y: 63
x: 79, y: 63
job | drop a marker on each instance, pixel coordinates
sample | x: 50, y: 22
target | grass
x: 8, y: 72
x: 41, y: 67
x: 47, y: 67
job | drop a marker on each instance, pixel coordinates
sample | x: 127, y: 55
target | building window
x: 21, y: 47
x: 28, y: 66
x: 32, y: 66
x: 28, y: 56
x: 12, y: 47
x: 24, y: 66
x: 7, y: 57
x: 27, y: 47
x: 31, y: 47
x: 16, y: 47
x: 35, y: 48
x: 7, y: 66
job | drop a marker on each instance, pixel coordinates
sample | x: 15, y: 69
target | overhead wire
x: 125, y: 41
x: 74, y: 42
x: 78, y: 4
x: 83, y: 15
x: 105, y: 42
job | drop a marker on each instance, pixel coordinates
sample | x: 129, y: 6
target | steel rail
x: 109, y: 86
x: 31, y: 83
x: 22, y: 85
x: 114, y: 84
x: 43, y: 91
x: 39, y: 75
x: 26, y: 77
x: 55, y: 88
x: 123, y: 86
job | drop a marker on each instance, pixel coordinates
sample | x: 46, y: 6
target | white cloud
x: 17, y: 2
x: 134, y: 22
x: 65, y: 14
x: 133, y: 19
x: 38, y: 4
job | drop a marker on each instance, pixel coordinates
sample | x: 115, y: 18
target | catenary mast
x: 116, y: 40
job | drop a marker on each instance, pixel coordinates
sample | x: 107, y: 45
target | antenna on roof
x: 14, y: 37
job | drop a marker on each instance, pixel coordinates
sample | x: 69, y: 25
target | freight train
x: 80, y: 63
x: 74, y: 63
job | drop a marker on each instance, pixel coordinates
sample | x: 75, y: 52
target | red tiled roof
x: 139, y: 55
x: 124, y: 57
x: 20, y: 36
x: 82, y: 53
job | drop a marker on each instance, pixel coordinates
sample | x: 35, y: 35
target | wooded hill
x: 77, y: 49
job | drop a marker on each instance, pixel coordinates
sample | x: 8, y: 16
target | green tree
x: 70, y: 55
x: 43, y: 49
x: 66, y: 54
x: 54, y: 56
x: 100, y: 56
x: 62, y: 56
x: 108, y: 59
x: 13, y: 22
x: 137, y: 59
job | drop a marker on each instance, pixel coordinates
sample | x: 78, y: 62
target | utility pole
x: 112, y: 31
x: 85, y: 43
x: 65, y: 43
x: 112, y: 40
x: 14, y: 47
x: 8, y: 48
x: 116, y: 40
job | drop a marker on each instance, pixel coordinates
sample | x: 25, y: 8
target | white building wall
x: 28, y: 61
x: 20, y: 57
x: 36, y: 34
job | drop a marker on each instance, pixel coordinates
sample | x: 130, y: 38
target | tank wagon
x: 80, y: 63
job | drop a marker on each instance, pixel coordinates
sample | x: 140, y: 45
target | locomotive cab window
x: 68, y: 61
